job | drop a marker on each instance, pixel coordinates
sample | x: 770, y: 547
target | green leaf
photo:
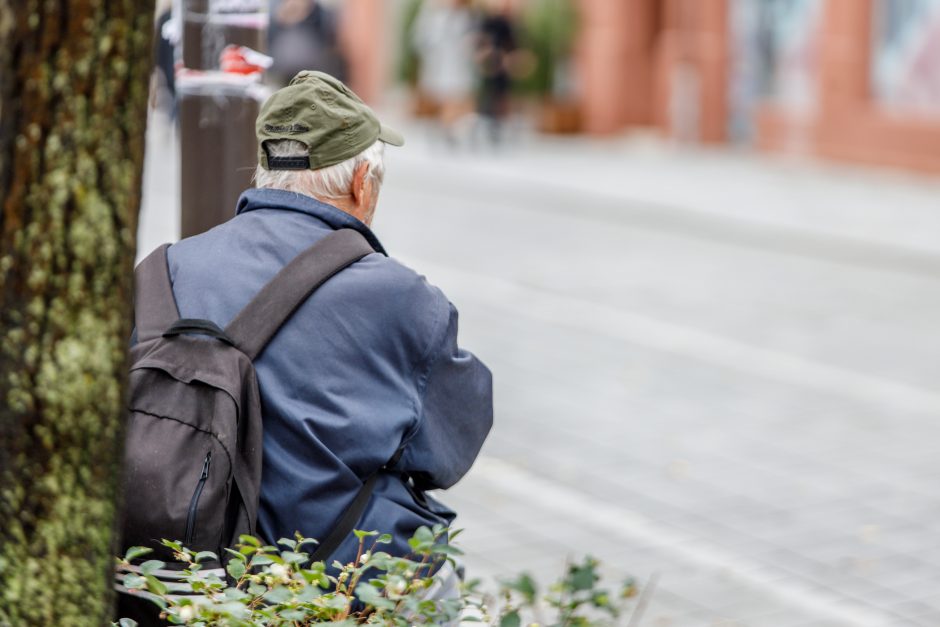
x: 236, y: 569
x: 316, y: 578
x: 291, y: 544
x: 582, y: 577
x: 294, y: 558
x: 134, y: 582
x: 308, y: 594
x: 374, y: 597
x: 249, y: 540
x: 335, y: 601
x: 127, y: 622
x: 511, y: 619
x: 234, y: 594
x: 361, y: 535
x: 525, y: 585
x: 423, y: 534
x: 155, y: 585
x: 173, y: 546
x: 379, y: 561
x: 161, y: 603
x: 151, y: 566
x: 385, y: 538
x: 422, y: 541
x: 136, y: 551
x: 202, y: 556
x: 277, y: 595
x: 600, y: 599
x: 234, y: 610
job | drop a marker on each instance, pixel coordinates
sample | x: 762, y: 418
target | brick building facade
x: 855, y: 80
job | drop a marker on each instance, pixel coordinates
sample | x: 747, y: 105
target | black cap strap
x: 288, y: 163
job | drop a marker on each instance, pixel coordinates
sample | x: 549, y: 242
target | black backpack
x: 192, y: 468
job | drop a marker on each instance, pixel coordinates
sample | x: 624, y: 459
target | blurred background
x: 698, y: 243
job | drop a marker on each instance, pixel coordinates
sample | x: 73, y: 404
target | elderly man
x: 366, y: 376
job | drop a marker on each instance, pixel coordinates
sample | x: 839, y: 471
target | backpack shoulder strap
x: 259, y: 321
x: 347, y: 521
x: 154, y: 304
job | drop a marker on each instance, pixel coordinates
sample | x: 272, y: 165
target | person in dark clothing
x: 304, y: 35
x: 496, y: 45
x: 164, y: 58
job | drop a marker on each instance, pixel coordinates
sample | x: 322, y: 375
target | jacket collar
x: 291, y: 201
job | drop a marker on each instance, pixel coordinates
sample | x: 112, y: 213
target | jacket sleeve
x: 454, y: 415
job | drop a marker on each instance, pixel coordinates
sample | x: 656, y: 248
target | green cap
x: 324, y: 114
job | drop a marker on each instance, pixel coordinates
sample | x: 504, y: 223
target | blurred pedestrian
x: 304, y: 35
x: 444, y: 34
x: 164, y: 56
x: 496, y: 44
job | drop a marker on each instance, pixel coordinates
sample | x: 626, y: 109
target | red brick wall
x: 629, y: 52
x: 849, y: 125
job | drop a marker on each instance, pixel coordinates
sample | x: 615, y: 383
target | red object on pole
x: 243, y: 60
x: 220, y: 94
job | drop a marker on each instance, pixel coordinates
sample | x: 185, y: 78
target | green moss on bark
x: 73, y: 94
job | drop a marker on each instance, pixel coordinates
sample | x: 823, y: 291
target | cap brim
x: 391, y: 136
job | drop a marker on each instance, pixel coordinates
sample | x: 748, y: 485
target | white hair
x: 333, y: 181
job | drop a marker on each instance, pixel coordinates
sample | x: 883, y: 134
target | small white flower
x: 365, y: 557
x: 278, y: 570
x: 188, y: 612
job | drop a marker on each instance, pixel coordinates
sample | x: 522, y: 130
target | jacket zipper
x: 194, y: 502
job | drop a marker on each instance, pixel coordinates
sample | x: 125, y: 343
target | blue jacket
x: 367, y: 366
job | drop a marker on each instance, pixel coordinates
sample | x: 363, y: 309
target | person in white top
x: 444, y: 38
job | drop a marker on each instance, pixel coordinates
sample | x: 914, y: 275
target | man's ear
x: 359, y: 181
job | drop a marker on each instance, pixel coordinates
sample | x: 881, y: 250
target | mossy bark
x: 73, y: 96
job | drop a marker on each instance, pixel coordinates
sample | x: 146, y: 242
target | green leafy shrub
x: 549, y: 31
x: 277, y: 586
x: 409, y: 62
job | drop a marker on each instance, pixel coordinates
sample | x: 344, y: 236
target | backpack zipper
x: 194, y: 502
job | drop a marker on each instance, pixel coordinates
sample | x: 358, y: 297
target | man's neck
x: 347, y: 205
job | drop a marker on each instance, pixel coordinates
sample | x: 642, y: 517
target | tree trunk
x: 74, y: 78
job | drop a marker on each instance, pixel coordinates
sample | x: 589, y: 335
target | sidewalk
x: 643, y: 175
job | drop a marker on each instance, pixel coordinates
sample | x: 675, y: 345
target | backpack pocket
x: 194, y: 502
x: 177, y: 469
